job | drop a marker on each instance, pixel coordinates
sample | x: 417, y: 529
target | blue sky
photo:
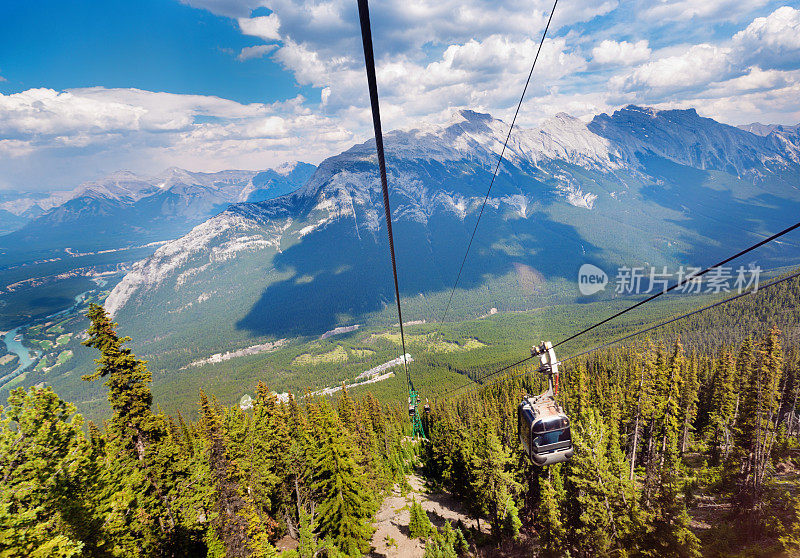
x: 156, y: 45
x: 88, y: 88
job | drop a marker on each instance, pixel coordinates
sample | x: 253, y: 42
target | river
x: 16, y: 347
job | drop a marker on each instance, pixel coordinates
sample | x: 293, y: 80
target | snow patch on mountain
x: 287, y: 168
x: 479, y: 138
x: 520, y: 204
x: 457, y: 204
x: 32, y: 201
x: 568, y: 139
x: 575, y: 196
x: 230, y: 248
x: 205, y: 296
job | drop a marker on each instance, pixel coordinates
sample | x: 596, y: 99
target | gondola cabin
x: 544, y: 427
x: 413, y: 398
x: 544, y: 430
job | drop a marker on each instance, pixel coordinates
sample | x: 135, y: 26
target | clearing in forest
x: 391, y: 538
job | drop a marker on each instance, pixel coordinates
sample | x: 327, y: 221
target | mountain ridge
x: 566, y: 179
x: 126, y: 207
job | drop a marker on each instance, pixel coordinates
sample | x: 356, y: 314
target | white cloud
x: 743, y: 63
x: 227, y: 8
x: 59, y: 139
x: 264, y: 27
x: 677, y: 10
x: 772, y: 41
x: 698, y: 66
x: 781, y: 105
x: 37, y: 112
x: 16, y: 148
x: 432, y: 58
x: 248, y: 53
x: 621, y: 53
x: 477, y: 74
x: 755, y: 80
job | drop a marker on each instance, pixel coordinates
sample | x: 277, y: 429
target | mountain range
x: 638, y: 187
x: 125, y: 208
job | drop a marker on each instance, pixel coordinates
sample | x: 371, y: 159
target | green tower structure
x: 413, y: 413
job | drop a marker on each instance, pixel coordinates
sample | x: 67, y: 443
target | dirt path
x: 391, y: 522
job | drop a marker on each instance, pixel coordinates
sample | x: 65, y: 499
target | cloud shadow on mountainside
x: 726, y: 223
x: 338, y: 274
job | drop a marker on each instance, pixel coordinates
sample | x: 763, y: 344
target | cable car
x: 427, y: 407
x: 544, y: 427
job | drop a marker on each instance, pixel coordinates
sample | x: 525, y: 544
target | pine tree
x: 231, y: 520
x: 759, y: 418
x: 688, y: 403
x: 511, y: 521
x: 127, y: 381
x: 671, y: 535
x: 139, y: 474
x: 445, y: 544
x: 343, y: 503
x: 46, y: 472
x: 723, y: 407
x: 746, y: 393
x: 492, y: 484
x: 551, y: 528
x: 307, y: 544
x: 639, y: 410
x: 419, y: 525
x: 608, y: 518
x: 265, y: 448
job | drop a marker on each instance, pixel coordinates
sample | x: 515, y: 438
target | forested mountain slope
x: 679, y: 453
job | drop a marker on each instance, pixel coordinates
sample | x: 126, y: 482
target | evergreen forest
x: 686, y: 445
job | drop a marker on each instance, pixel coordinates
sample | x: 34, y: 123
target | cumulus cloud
x: 772, y: 41
x: 743, y: 63
x: 85, y: 131
x: 264, y: 27
x: 248, y: 53
x: 697, y: 66
x: 621, y: 53
x: 432, y: 58
x: 775, y: 105
x: 38, y: 112
x: 228, y: 8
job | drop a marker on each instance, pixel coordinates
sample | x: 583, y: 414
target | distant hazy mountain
x: 766, y: 129
x: 19, y: 208
x: 10, y: 222
x: 125, y: 208
x: 639, y: 186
